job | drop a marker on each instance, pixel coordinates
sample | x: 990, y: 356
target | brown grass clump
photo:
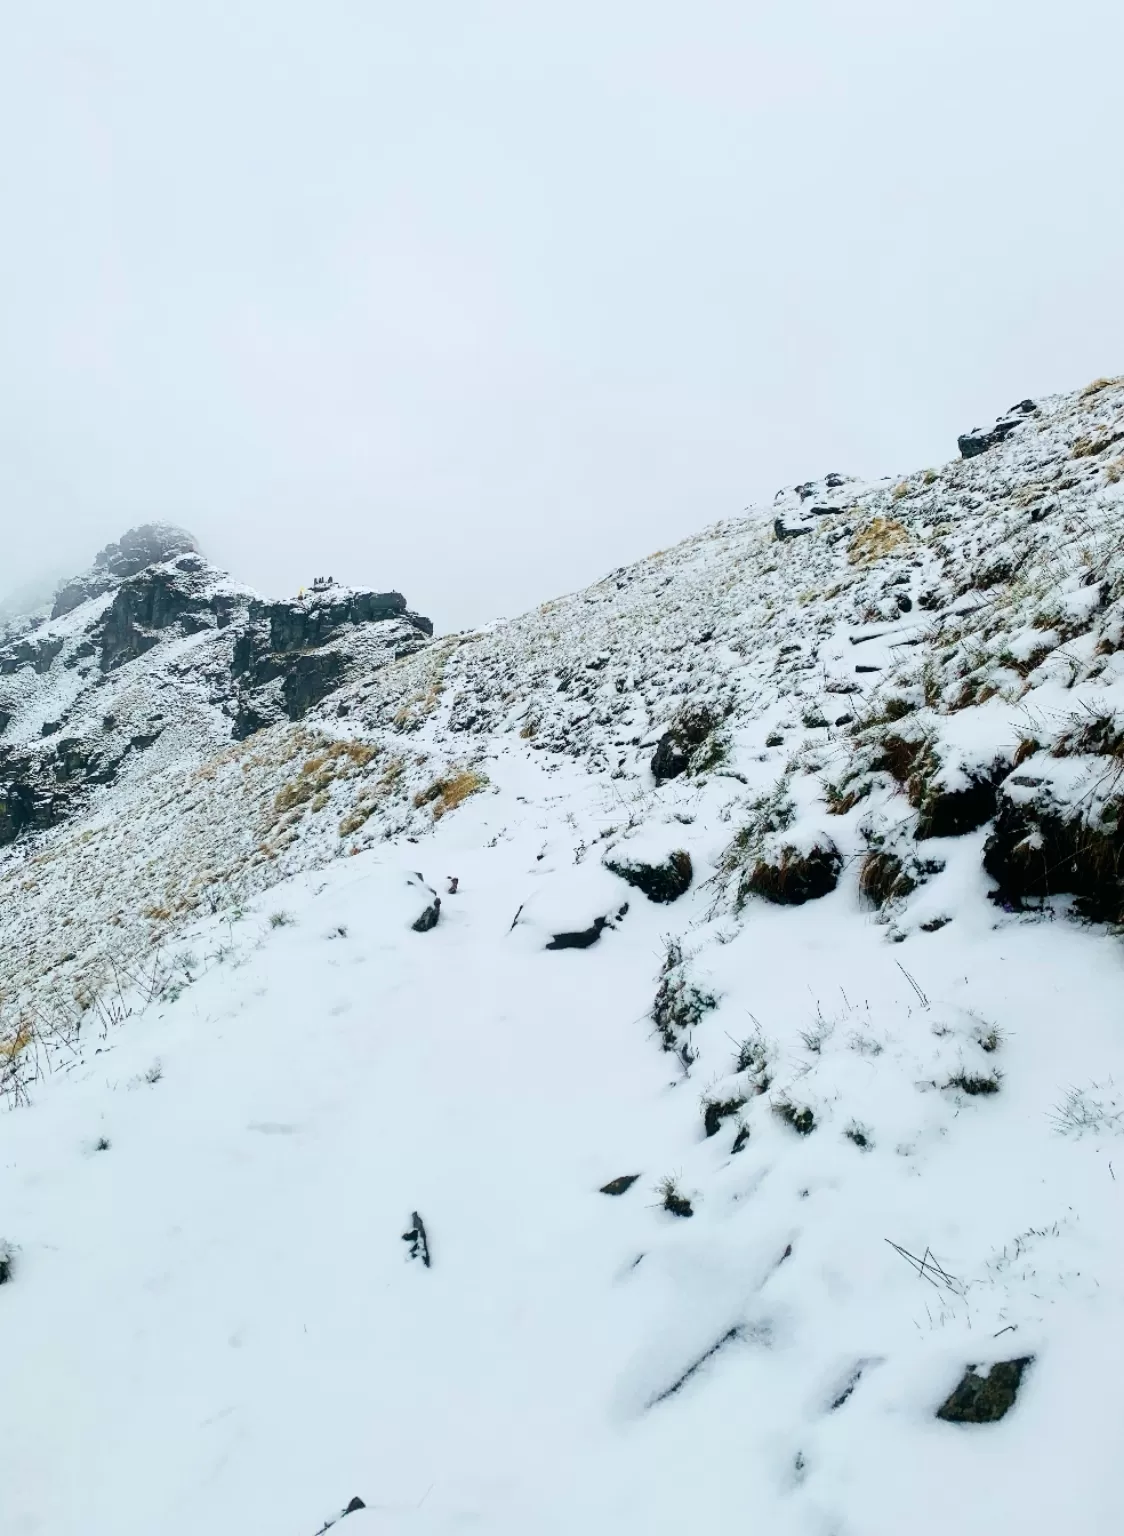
x: 883, y: 877
x: 880, y: 537
x: 1097, y: 385
x: 1094, y: 443
x: 446, y: 793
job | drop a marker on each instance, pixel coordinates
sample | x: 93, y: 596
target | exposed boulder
x: 661, y: 881
x: 689, y: 729
x: 980, y: 1399
x: 950, y: 812
x: 979, y: 441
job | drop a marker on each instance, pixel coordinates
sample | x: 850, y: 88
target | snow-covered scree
x: 827, y: 997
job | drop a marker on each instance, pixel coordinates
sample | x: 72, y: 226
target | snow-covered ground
x: 237, y: 1070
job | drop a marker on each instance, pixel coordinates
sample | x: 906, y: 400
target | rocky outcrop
x: 250, y: 665
x: 156, y: 600
x: 149, y: 544
x: 292, y: 655
x: 979, y: 440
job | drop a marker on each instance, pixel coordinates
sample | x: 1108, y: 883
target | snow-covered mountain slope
x: 756, y: 872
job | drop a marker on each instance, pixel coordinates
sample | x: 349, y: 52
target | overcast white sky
x: 480, y: 300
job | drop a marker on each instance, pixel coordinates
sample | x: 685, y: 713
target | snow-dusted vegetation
x: 715, y: 974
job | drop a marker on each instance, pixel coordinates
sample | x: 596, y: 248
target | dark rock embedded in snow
x: 670, y: 758
x: 690, y: 728
x: 582, y: 938
x: 418, y: 1239
x: 620, y: 1185
x: 717, y: 1110
x: 980, y: 1399
x: 782, y: 533
x: 663, y: 882
x: 429, y: 918
x: 979, y: 441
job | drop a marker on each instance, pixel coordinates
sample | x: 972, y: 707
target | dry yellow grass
x: 1094, y: 443
x: 446, y: 793
x: 335, y: 760
x: 879, y: 538
x: 1097, y: 385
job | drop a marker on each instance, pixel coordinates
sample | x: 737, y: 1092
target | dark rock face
x: 150, y: 603
x: 985, y: 1399
x: 782, y: 533
x: 284, y: 641
x: 150, y: 544
x: 1037, y: 850
x: 38, y: 654
x: 664, y: 882
x: 979, y: 441
x: 792, y: 877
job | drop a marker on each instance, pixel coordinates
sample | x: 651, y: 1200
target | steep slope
x: 736, y: 875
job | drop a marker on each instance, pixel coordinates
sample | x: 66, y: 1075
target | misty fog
x: 480, y: 302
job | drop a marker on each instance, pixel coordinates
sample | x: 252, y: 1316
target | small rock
x: 984, y: 1399
x: 619, y: 1186
x: 429, y: 918
x: 670, y: 759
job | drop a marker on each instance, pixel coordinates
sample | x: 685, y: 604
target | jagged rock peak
x: 136, y: 549
x: 148, y: 544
